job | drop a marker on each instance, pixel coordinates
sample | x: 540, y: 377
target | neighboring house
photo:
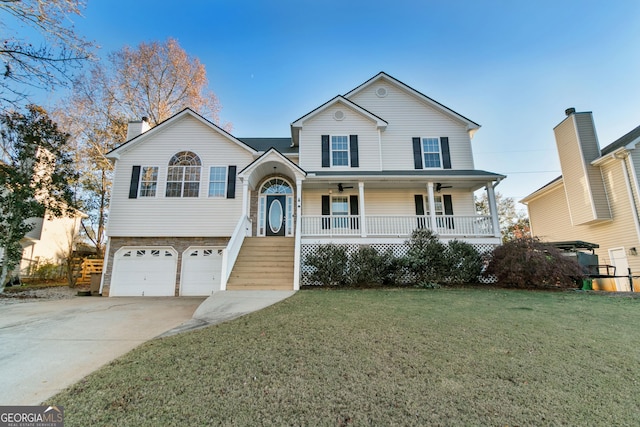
x: 50, y: 241
x: 196, y: 210
x: 596, y: 199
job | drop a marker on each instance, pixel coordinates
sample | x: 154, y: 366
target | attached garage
x: 144, y: 271
x: 201, y: 270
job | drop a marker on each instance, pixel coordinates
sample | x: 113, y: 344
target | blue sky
x: 512, y: 66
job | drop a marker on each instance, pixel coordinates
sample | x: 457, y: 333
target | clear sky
x: 512, y: 66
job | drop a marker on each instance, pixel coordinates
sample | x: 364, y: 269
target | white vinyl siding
x: 352, y: 124
x: 409, y: 117
x: 171, y: 216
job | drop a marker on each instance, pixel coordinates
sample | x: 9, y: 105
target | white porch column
x: 432, y: 207
x: 493, y: 209
x: 363, y: 223
x: 298, y: 237
x: 245, y: 198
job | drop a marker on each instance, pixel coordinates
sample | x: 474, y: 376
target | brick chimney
x: 137, y: 127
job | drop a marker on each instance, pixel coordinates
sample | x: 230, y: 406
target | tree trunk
x: 4, y: 273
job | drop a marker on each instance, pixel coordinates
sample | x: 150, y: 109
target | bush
x: 464, y: 261
x: 528, y: 263
x: 47, y: 270
x: 329, y: 265
x: 367, y: 267
x: 425, y: 259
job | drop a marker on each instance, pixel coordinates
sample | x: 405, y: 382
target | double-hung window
x: 183, y: 175
x: 340, y: 150
x: 148, y: 181
x: 217, y: 181
x: 431, y: 153
x: 340, y: 211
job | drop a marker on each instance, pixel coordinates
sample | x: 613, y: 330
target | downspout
x: 105, y: 264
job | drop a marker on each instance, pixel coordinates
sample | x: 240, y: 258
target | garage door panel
x: 144, y: 271
x: 201, y: 271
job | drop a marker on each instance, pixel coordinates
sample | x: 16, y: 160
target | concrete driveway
x: 47, y: 346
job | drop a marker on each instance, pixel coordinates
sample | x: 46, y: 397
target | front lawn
x: 384, y: 357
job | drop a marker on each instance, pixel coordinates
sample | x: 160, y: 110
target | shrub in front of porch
x: 529, y: 263
x: 431, y: 263
x: 369, y: 268
x: 328, y: 265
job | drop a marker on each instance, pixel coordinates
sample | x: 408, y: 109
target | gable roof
x: 187, y: 112
x: 283, y: 145
x: 471, y: 125
x: 629, y: 138
x: 297, y: 124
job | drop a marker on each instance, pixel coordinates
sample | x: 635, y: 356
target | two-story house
x: 196, y: 210
x: 597, y: 198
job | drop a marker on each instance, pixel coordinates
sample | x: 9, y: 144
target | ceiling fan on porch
x: 341, y: 187
x: 439, y: 187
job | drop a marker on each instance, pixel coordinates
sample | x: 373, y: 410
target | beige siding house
x: 596, y: 198
x: 196, y: 210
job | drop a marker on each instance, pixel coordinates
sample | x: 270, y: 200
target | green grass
x: 384, y: 357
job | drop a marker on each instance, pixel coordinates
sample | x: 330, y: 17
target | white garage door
x: 144, y: 271
x: 201, y: 267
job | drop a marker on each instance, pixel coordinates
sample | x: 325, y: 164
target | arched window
x: 183, y: 175
x: 276, y: 186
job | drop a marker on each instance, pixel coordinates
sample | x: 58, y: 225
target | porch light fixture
x: 633, y: 251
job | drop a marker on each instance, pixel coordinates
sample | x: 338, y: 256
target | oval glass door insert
x: 275, y: 216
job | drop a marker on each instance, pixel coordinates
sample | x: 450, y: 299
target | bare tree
x: 26, y: 63
x: 154, y: 80
x: 157, y: 80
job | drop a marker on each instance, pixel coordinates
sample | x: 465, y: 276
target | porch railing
x: 230, y: 254
x: 396, y: 225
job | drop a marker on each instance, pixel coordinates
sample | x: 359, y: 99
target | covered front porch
x: 392, y: 207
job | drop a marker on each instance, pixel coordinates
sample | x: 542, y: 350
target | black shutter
x: 135, y: 180
x: 417, y: 153
x: 420, y: 210
x: 353, y: 210
x: 326, y: 211
x: 231, y: 183
x: 446, y: 155
x: 448, y: 210
x: 325, y: 151
x: 353, y: 148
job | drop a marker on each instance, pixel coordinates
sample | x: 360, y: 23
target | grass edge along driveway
x: 384, y: 357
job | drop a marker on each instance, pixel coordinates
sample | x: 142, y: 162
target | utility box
x: 95, y: 283
x: 583, y: 252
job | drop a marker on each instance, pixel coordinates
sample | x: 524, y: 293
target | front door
x: 276, y: 215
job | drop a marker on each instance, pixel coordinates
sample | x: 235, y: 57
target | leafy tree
x: 35, y: 177
x: 154, y: 80
x: 528, y: 262
x: 513, y: 223
x: 46, y: 65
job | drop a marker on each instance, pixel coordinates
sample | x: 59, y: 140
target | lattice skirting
x: 398, y: 249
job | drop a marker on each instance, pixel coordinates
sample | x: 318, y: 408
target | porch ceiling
x: 448, y: 182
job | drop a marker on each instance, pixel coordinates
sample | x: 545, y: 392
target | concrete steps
x: 264, y: 263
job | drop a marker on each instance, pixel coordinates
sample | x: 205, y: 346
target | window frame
x: 347, y: 149
x: 143, y: 189
x: 223, y: 194
x: 196, y: 169
x: 423, y: 152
